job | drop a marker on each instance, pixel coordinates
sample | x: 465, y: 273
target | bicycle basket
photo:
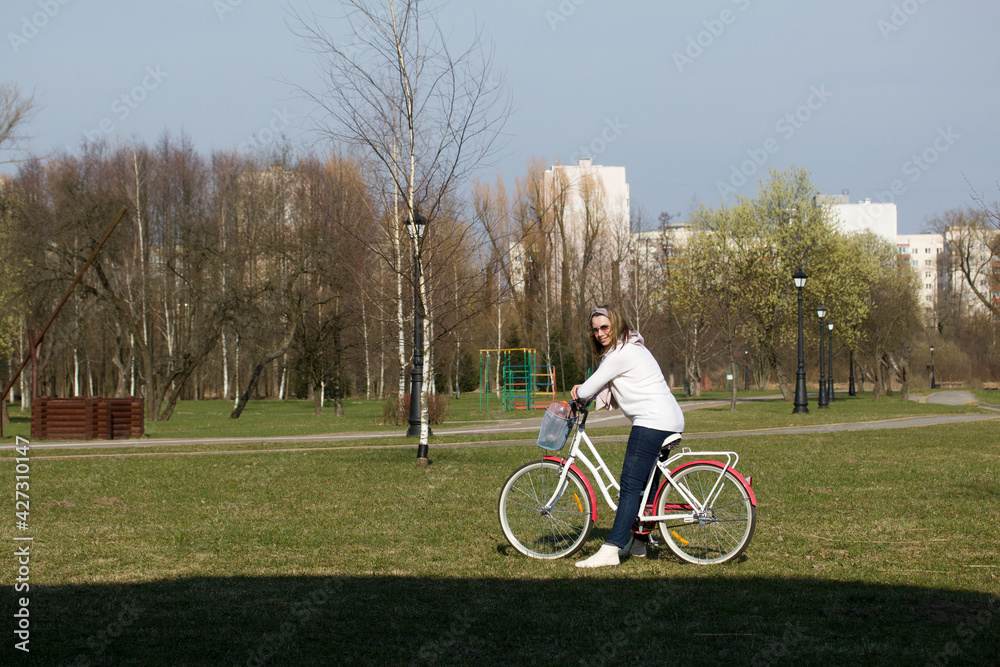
x: 556, y: 427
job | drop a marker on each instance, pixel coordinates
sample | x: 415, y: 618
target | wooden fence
x: 87, y: 418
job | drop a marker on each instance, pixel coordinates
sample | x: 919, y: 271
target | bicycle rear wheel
x: 544, y: 532
x: 722, y: 531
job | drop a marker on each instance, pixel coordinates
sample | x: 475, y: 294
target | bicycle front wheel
x: 722, y: 531
x: 539, y: 531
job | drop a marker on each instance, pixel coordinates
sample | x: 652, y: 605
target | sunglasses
x: 604, y: 328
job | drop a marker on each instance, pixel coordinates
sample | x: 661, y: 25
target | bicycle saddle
x: 670, y: 442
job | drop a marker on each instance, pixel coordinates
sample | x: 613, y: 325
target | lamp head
x: 799, y: 278
x: 820, y: 312
x: 416, y: 224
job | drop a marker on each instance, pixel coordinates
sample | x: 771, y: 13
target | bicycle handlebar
x: 581, y: 407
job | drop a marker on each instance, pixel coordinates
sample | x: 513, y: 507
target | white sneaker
x: 606, y: 555
x: 634, y: 549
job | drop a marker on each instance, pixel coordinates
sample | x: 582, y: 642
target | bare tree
x: 507, y: 260
x: 535, y: 209
x: 268, y: 315
x: 167, y: 298
x: 890, y: 326
x: 12, y: 268
x: 681, y: 296
x: 422, y: 115
x: 334, y: 198
x: 972, y: 246
x: 593, y: 241
x: 641, y: 272
x: 16, y: 109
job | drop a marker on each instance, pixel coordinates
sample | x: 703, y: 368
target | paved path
x: 531, y: 424
x: 947, y: 398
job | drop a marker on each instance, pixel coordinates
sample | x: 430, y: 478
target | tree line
x: 713, y: 296
x: 281, y: 275
x: 233, y: 276
x: 732, y: 289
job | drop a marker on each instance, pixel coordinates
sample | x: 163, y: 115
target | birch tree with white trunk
x: 422, y: 115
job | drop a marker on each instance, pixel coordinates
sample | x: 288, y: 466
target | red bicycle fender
x: 586, y: 482
x: 743, y: 481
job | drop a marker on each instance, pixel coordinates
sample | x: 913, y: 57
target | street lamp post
x: 850, y: 387
x: 933, y: 383
x: 823, y: 402
x: 829, y: 375
x: 746, y: 370
x: 801, y: 399
x: 416, y: 226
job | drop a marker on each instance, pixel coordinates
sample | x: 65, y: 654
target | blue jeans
x: 640, y: 457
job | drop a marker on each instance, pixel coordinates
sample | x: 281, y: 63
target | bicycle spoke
x: 539, y: 531
x: 738, y: 501
x: 724, y: 525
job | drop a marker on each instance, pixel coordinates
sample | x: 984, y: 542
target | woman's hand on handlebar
x: 581, y: 403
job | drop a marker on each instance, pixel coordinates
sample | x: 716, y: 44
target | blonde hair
x: 619, y: 329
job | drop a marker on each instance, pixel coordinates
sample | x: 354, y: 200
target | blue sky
x: 890, y: 100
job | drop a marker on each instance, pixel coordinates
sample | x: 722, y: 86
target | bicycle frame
x: 606, y: 480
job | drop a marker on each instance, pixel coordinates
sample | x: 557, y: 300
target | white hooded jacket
x: 636, y: 385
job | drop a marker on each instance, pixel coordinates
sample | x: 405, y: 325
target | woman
x: 628, y: 376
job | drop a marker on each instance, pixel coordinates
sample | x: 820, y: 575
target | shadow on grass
x: 586, y: 618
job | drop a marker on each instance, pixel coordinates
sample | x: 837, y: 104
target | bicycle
x: 705, y: 510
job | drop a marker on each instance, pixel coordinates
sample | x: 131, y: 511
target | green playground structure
x: 514, y: 377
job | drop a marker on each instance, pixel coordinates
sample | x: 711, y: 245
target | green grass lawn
x: 210, y: 419
x: 876, y: 547
x: 990, y: 396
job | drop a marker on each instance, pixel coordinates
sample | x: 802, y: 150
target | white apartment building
x: 583, y: 191
x: 925, y: 253
x: 651, y: 249
x: 879, y: 217
x: 584, y: 183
